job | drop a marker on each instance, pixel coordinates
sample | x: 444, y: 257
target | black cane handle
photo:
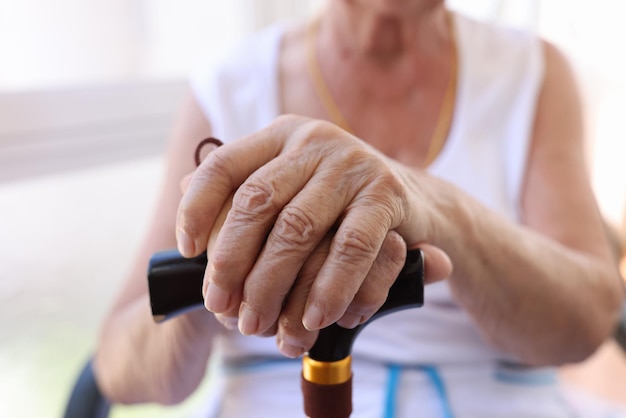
x: 334, y: 343
x: 175, y: 285
x: 326, y: 369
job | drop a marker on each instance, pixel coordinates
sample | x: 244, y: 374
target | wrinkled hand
x: 309, y: 239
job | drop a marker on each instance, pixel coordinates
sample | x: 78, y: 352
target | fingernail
x: 216, y: 300
x: 289, y: 350
x: 312, y: 318
x: 229, y: 322
x: 350, y: 320
x: 248, y: 320
x: 186, y: 245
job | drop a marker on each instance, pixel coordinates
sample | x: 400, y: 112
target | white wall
x: 63, y: 43
x: 592, y: 34
x: 69, y: 43
x: 51, y: 44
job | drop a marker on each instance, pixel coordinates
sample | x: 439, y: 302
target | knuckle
x: 398, y: 205
x: 287, y: 119
x: 390, y: 184
x: 393, y: 186
x: 393, y: 250
x: 318, y: 133
x: 309, y: 135
x: 356, y: 170
x: 362, y: 159
x: 215, y: 166
x: 354, y: 245
x: 387, y: 179
x: 384, y: 191
x: 221, y: 261
x: 289, y: 122
x: 254, y: 197
x: 294, y: 227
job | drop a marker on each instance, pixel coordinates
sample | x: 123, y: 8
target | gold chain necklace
x: 446, y: 111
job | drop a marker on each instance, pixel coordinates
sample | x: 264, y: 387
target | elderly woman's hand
x: 310, y: 235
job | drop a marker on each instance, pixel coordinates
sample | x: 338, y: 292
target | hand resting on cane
x: 292, y: 337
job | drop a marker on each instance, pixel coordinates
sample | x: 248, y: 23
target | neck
x: 385, y: 35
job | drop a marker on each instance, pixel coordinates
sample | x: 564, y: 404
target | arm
x: 546, y: 291
x: 137, y: 360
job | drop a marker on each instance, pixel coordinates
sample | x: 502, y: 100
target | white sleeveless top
x: 500, y: 76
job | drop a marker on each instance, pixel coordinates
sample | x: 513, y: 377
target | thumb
x: 437, y: 264
x: 184, y: 183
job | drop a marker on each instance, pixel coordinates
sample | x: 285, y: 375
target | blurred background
x: 88, y: 90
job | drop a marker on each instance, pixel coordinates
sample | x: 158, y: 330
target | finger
x: 271, y: 331
x: 354, y: 248
x: 292, y: 338
x: 297, y: 230
x: 230, y: 321
x: 216, y: 300
x: 380, y: 278
x: 220, y: 173
x: 278, y: 216
x: 247, y: 224
x: 255, y: 207
x: 437, y: 264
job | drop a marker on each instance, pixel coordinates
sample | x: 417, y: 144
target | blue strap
x: 392, y: 390
x: 435, y: 379
x: 433, y: 376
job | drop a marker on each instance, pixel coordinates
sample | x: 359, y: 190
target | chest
x: 400, y: 127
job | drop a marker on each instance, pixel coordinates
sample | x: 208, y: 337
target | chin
x: 399, y: 6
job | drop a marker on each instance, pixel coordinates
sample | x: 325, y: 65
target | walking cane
x: 175, y: 285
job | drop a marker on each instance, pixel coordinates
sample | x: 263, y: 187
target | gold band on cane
x: 327, y: 373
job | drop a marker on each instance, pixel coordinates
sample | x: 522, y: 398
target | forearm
x: 140, y: 361
x: 532, y: 296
